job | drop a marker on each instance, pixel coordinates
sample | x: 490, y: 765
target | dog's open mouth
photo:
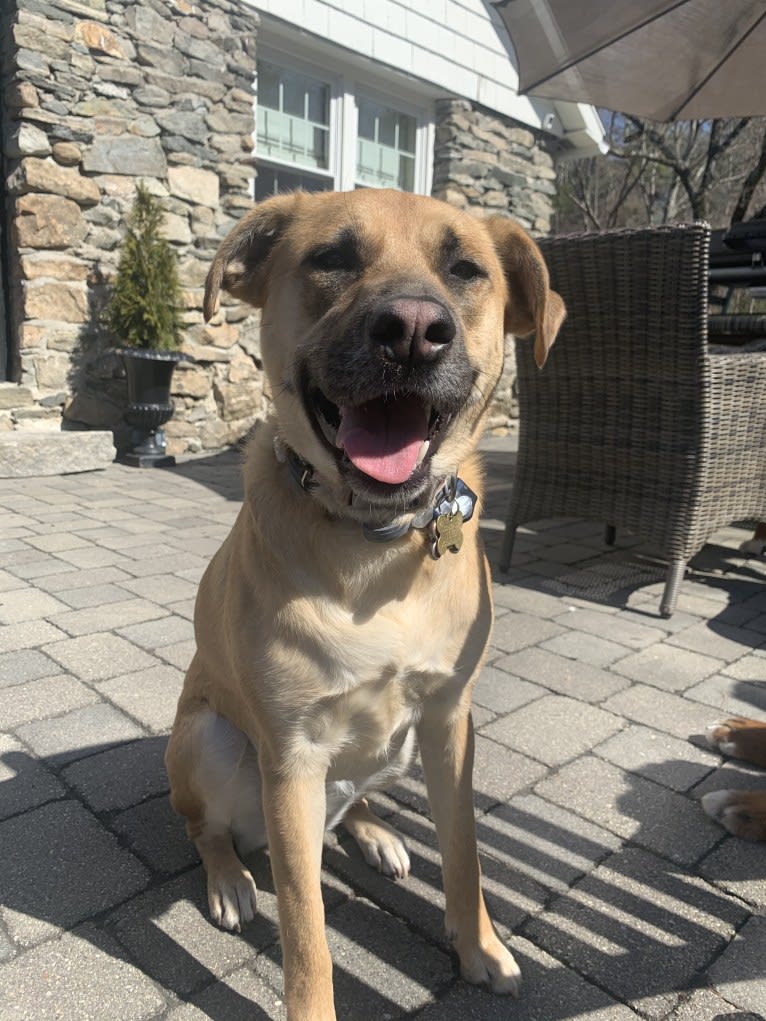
x: 389, y: 438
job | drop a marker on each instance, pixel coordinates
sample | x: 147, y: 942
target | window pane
x: 294, y: 93
x: 388, y: 166
x: 366, y: 127
x: 406, y: 133
x: 271, y: 128
x: 407, y: 173
x: 318, y: 102
x: 387, y: 124
x: 366, y: 161
x: 385, y: 147
x: 276, y: 180
x: 319, y: 146
x: 299, y: 139
x: 294, y: 117
x: 268, y: 86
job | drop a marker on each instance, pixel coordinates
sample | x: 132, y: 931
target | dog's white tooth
x: 423, y: 451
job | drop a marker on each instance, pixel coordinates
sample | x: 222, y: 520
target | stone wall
x: 98, y: 94
x: 492, y: 165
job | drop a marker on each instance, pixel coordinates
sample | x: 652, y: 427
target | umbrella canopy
x: 660, y: 59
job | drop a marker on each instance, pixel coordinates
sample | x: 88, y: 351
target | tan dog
x: 323, y: 652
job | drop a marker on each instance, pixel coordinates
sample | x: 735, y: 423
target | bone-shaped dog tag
x: 449, y: 533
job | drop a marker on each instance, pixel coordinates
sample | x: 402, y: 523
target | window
x: 319, y: 132
x: 385, y: 147
x: 293, y: 127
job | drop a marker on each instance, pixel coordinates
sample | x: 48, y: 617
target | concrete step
x: 25, y: 453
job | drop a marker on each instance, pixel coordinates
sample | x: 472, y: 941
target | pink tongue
x: 383, y: 438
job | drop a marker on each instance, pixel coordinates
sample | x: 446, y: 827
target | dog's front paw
x: 385, y: 851
x: 232, y: 898
x: 493, y: 965
x: 743, y: 813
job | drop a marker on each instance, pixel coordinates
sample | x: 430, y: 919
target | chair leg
x: 610, y: 535
x: 509, y: 537
x: 673, y: 581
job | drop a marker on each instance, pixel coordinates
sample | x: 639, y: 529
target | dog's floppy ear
x: 532, y: 305
x: 241, y: 264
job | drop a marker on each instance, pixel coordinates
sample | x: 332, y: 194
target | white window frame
x: 345, y: 85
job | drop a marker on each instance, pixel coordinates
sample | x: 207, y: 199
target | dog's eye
x: 329, y: 260
x: 464, y: 269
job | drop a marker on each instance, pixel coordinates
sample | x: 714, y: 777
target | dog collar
x: 452, y: 504
x: 301, y: 470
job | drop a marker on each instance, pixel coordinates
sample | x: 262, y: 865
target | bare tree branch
x: 749, y: 185
x: 714, y: 169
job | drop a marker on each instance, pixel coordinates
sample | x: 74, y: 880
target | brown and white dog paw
x: 741, y: 738
x: 742, y: 813
x: 721, y: 737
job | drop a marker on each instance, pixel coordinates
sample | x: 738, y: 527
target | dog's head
x: 382, y: 328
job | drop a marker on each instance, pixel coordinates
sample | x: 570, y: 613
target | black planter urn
x: 149, y: 405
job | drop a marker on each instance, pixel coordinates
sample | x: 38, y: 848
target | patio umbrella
x: 660, y: 59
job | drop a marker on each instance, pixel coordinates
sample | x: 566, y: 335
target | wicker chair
x: 633, y: 421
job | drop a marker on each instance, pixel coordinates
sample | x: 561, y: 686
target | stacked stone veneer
x: 493, y: 165
x: 96, y: 95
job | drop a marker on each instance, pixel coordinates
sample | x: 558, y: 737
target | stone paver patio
x: 620, y: 898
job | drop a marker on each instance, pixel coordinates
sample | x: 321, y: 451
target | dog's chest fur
x: 375, y: 675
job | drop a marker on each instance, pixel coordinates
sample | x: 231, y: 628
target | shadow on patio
x: 615, y: 917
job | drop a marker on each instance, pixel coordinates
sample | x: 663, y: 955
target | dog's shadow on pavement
x: 97, y: 852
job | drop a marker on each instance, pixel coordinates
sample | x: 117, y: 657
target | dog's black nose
x: 412, y: 329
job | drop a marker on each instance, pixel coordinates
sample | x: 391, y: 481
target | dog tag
x: 449, y: 533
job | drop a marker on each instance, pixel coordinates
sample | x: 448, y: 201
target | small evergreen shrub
x: 145, y: 308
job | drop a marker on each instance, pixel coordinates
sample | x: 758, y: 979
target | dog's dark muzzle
x: 383, y: 387
x: 403, y: 342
